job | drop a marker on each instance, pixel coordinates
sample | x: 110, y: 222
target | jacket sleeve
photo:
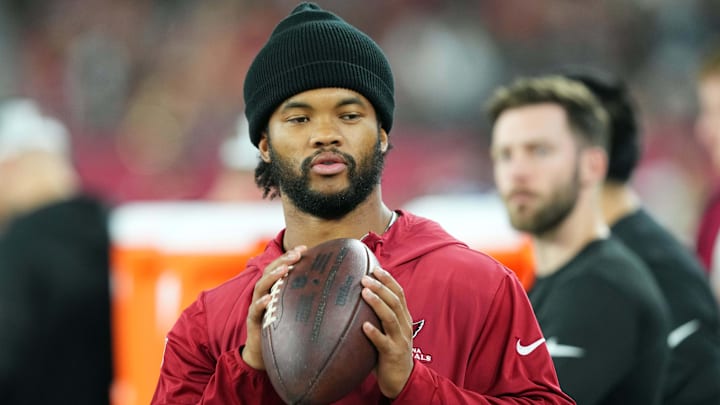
x: 190, y: 374
x: 497, y: 373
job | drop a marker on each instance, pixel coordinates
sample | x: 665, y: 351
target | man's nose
x: 325, y: 134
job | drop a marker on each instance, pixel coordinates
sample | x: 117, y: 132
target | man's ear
x: 595, y: 165
x: 384, y: 141
x: 264, y: 148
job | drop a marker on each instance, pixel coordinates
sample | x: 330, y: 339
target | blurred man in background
x: 694, y: 339
x: 238, y: 158
x: 708, y: 133
x: 54, y: 288
x: 34, y: 159
x: 602, y: 313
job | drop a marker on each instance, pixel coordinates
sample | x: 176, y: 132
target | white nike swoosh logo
x: 557, y: 350
x: 525, y: 350
x: 682, y: 332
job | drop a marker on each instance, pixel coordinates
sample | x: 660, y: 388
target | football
x: 313, y: 346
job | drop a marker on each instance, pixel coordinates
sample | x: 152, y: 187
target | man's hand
x: 395, y: 361
x: 252, y: 352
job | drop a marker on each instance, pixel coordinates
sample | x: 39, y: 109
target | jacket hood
x: 410, y: 237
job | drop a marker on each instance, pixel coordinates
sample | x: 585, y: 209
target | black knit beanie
x: 313, y: 48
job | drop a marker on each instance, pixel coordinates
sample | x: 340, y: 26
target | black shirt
x: 694, y: 372
x: 55, y: 345
x: 606, y: 324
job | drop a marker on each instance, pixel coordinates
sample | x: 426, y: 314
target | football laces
x: 272, y: 307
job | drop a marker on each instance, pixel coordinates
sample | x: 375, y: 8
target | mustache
x: 520, y: 192
x: 307, y: 162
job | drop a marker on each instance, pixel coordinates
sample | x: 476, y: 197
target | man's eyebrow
x: 300, y: 104
x: 350, y: 101
x: 295, y: 104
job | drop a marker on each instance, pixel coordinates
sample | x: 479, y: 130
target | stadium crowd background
x: 149, y: 89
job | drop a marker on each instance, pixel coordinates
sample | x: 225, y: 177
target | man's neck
x: 555, y: 248
x: 304, y: 229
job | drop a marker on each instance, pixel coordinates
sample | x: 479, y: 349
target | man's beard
x: 552, y: 212
x: 363, y: 178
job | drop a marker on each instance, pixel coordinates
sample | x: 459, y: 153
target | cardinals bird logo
x: 417, y: 326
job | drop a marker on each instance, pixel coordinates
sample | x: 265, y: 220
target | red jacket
x: 472, y: 319
x: 709, y: 227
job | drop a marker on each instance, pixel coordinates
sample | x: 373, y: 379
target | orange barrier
x: 151, y: 290
x: 519, y: 258
x: 163, y: 256
x: 132, y: 322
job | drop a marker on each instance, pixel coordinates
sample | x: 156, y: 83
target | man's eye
x: 298, y: 120
x: 540, y: 150
x: 350, y: 116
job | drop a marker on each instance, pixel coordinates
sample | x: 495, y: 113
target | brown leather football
x: 314, y: 349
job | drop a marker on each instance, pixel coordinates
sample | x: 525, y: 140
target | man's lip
x: 327, y: 158
x: 523, y: 195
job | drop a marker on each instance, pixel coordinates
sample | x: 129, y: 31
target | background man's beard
x: 363, y: 177
x: 552, y: 213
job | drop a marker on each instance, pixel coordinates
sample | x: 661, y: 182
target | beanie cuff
x: 315, y: 75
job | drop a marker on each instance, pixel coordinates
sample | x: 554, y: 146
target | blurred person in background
x: 55, y: 343
x: 34, y: 153
x: 602, y: 313
x: 694, y: 339
x: 238, y: 159
x: 708, y: 133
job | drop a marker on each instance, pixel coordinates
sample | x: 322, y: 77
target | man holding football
x: 456, y: 325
